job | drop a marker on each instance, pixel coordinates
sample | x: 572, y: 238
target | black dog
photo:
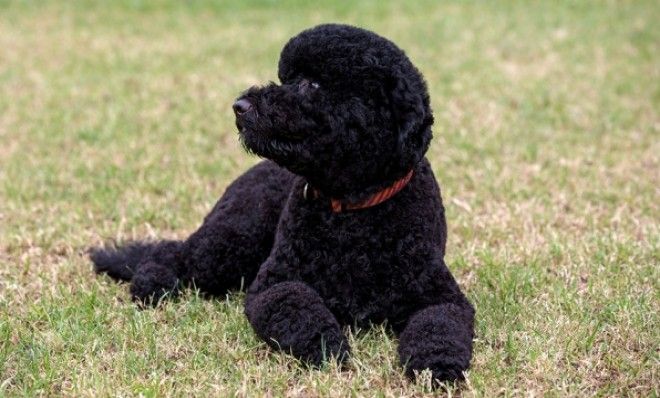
x: 344, y: 225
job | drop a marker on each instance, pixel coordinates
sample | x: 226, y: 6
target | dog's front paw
x: 291, y: 316
x: 333, y: 347
x: 152, y: 282
x: 446, y: 362
x: 438, y: 338
x: 441, y: 371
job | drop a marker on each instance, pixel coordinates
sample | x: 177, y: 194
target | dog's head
x: 351, y: 113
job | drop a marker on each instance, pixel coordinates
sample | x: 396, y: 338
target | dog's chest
x: 355, y: 260
x: 368, y: 265
x: 351, y: 242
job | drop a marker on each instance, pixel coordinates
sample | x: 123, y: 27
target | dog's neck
x: 340, y: 205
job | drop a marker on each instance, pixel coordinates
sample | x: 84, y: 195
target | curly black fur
x: 350, y: 117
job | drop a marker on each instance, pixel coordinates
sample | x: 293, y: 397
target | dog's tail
x: 120, y: 262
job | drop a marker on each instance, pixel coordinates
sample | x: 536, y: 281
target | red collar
x: 338, y: 205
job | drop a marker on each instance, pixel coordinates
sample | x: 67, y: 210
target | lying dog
x: 343, y: 225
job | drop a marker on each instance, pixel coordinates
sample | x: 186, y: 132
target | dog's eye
x: 305, y: 84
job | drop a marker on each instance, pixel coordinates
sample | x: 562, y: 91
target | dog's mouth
x: 267, y: 144
x: 246, y: 128
x: 242, y: 129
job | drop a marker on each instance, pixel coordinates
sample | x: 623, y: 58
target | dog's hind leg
x: 153, y: 282
x: 223, y: 254
x: 153, y: 268
x: 236, y: 237
x: 292, y: 317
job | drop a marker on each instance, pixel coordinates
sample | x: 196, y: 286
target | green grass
x: 115, y: 123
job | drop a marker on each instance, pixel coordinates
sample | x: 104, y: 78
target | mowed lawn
x: 116, y: 123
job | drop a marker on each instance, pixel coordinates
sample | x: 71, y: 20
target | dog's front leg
x: 291, y: 316
x: 438, y: 338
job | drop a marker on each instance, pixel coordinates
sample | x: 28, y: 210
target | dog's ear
x: 411, y: 111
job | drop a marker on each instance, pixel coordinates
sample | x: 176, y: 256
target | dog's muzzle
x: 241, y: 107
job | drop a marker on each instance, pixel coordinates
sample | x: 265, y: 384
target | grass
x: 115, y: 123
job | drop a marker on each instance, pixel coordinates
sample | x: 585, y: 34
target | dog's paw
x: 330, y: 348
x: 152, y: 282
x: 440, y: 372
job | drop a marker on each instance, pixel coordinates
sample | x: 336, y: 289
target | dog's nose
x: 241, y: 106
